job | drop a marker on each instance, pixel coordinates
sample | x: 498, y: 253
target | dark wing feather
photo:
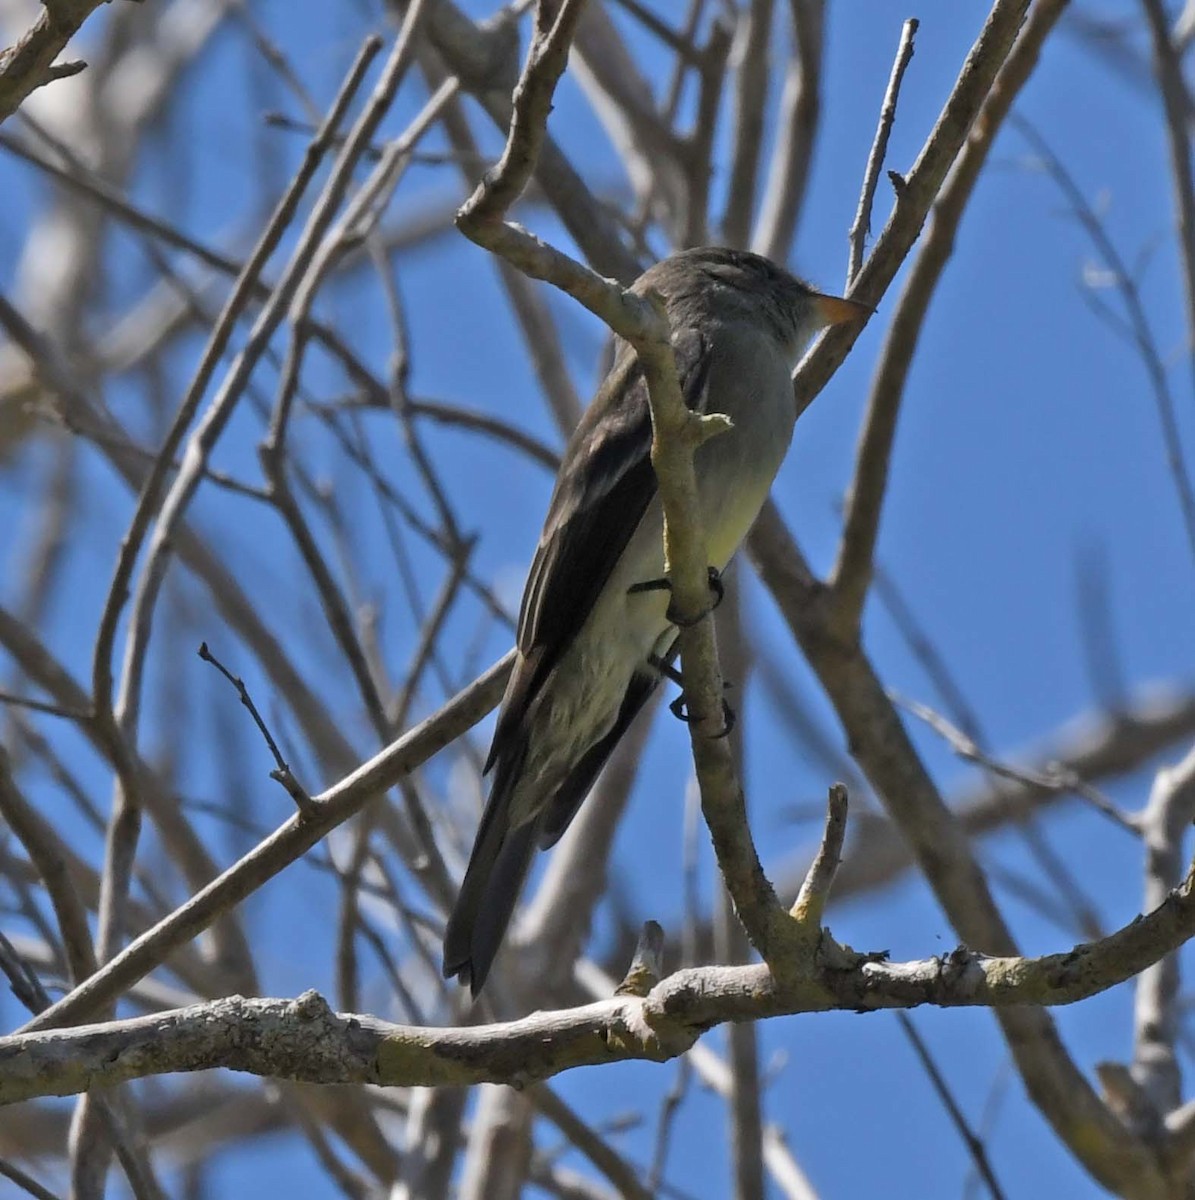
x: 605, y: 484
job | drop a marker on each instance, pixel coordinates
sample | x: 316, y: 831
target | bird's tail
x: 497, y: 867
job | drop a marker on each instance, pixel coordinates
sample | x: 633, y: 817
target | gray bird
x: 591, y: 644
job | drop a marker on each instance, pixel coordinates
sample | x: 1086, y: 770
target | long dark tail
x: 497, y: 867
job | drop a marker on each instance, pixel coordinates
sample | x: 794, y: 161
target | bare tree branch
x: 861, y: 227
x: 304, y: 1039
x: 30, y: 63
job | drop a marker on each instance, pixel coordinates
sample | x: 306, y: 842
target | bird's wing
x: 605, y: 484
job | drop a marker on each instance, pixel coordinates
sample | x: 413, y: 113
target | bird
x: 593, y: 642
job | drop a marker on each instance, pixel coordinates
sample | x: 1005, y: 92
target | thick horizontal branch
x: 304, y: 1040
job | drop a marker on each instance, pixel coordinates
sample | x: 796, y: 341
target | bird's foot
x: 729, y: 717
x: 717, y: 588
x: 677, y: 707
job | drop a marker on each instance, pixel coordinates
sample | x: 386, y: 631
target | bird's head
x: 727, y: 285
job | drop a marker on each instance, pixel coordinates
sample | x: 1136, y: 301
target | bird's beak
x: 834, y: 310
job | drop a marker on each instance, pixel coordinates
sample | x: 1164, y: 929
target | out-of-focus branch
x: 1165, y: 821
x: 796, y: 134
x: 1137, y: 326
x: 498, y: 1156
x: 783, y: 1167
x: 1052, y: 779
x: 590, y: 1142
x: 753, y: 37
x: 432, y: 1140
x: 699, y: 143
x: 622, y: 100
x: 140, y: 55
x: 541, y: 336
x: 970, y: 1139
x: 25, y: 1182
x: 486, y: 59
x: 1176, y: 103
x: 177, y: 833
x: 1180, y: 1125
x: 46, y: 853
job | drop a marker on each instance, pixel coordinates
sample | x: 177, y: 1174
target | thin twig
x: 861, y: 227
x: 850, y: 578
x: 541, y: 337
x: 923, y: 183
x: 921, y: 646
x: 48, y: 854
x: 678, y: 43
x: 282, y: 772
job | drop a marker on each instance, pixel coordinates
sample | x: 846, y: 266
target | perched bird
x: 591, y: 644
